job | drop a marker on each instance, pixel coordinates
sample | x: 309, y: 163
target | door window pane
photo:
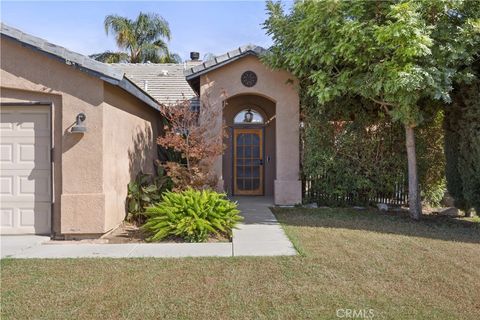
x: 241, y: 139
x: 240, y: 184
x: 240, y: 152
x: 255, y: 140
x: 240, y: 172
x: 248, y: 171
x: 248, y: 152
x: 256, y: 152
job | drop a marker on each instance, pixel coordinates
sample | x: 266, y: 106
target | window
x: 248, y: 116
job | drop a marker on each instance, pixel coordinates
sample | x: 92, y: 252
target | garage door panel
x: 23, y: 219
x: 6, y: 152
x: 6, y: 185
x: 7, y: 217
x: 25, y: 185
x: 25, y: 123
x: 36, y: 185
x: 25, y: 153
x: 25, y: 165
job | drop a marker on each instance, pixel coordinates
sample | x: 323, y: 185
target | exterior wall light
x: 248, y: 116
x: 79, y: 126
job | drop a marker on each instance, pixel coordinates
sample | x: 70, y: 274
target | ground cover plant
x: 350, y: 259
x: 193, y: 215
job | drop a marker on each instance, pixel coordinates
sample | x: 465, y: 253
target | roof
x: 222, y: 60
x: 164, y: 81
x: 83, y: 63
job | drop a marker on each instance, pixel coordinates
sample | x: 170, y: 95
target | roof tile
x: 167, y: 89
x: 219, y: 61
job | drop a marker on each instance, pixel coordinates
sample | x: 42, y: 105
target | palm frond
x: 110, y: 57
x: 123, y: 28
x: 143, y: 37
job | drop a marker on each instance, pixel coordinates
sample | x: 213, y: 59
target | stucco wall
x: 130, y: 131
x: 79, y: 178
x: 278, y: 86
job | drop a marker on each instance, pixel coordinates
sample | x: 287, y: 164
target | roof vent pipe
x: 194, y: 56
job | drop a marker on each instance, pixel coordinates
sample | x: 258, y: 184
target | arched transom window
x: 248, y: 116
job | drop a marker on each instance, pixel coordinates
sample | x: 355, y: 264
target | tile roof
x: 83, y: 63
x: 164, y: 81
x: 217, y: 62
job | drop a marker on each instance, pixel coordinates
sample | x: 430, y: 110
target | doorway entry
x: 248, y: 167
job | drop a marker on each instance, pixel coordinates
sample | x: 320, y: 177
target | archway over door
x: 249, y: 161
x: 240, y: 75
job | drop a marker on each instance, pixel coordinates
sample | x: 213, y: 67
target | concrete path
x: 259, y: 235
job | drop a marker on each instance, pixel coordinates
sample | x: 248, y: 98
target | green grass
x: 350, y: 259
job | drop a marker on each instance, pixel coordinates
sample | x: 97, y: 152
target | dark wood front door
x: 248, y: 161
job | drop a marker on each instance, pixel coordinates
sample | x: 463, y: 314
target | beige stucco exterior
x: 90, y: 171
x: 223, y: 84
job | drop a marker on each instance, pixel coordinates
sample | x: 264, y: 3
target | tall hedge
x: 462, y: 146
x: 353, y: 149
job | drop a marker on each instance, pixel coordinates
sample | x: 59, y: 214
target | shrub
x: 462, y: 146
x: 355, y: 155
x: 192, y: 215
x: 188, y: 138
x: 143, y: 192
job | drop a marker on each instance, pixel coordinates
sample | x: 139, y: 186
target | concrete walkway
x: 260, y: 234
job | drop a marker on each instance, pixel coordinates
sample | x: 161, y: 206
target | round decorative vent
x: 249, y: 78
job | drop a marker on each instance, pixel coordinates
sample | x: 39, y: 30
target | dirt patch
x: 130, y: 233
x: 125, y: 233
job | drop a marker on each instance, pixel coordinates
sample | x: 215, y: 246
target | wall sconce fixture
x: 248, y: 116
x: 79, y: 126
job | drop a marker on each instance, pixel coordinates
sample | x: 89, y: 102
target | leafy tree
x: 143, y: 39
x: 396, y: 54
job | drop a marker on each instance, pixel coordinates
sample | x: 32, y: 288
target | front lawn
x: 350, y: 260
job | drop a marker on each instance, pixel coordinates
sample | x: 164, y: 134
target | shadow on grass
x: 432, y: 227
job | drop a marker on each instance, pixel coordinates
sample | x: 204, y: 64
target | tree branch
x: 383, y: 104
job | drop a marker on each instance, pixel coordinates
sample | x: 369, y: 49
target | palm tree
x: 143, y: 39
x: 110, y: 57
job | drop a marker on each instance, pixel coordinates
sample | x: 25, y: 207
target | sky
x: 204, y: 26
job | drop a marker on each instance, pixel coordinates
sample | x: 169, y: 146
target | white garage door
x: 25, y: 199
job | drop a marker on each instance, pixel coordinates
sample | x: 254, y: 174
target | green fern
x: 191, y: 215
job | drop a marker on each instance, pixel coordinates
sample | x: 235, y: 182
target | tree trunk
x: 414, y: 202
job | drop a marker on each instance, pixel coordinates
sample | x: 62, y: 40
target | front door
x: 248, y: 161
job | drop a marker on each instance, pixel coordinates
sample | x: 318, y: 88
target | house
x: 75, y: 131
